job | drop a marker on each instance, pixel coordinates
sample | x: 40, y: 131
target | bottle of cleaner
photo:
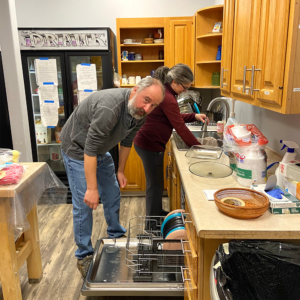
x: 231, y: 120
x: 289, y: 155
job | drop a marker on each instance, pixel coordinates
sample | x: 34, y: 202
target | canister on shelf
x: 215, y: 79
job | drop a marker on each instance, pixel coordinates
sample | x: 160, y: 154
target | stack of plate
x: 173, y: 229
x: 158, y: 41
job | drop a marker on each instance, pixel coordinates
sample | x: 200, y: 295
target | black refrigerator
x: 70, y: 47
x: 5, y: 136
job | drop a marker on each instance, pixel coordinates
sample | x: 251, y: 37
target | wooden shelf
x: 142, y: 61
x: 207, y: 87
x: 209, y: 62
x: 142, y: 45
x: 209, y: 35
x: 215, y: 7
x: 127, y: 85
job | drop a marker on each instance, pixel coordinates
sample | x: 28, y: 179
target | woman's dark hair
x: 180, y: 73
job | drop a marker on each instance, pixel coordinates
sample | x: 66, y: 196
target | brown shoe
x: 83, y: 265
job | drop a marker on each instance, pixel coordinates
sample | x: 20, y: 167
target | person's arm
x: 123, y: 155
x: 91, y: 197
x: 172, y: 112
x: 188, y: 118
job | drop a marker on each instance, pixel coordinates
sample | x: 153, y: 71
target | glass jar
x: 215, y: 79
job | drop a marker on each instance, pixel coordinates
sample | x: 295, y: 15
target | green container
x: 215, y: 79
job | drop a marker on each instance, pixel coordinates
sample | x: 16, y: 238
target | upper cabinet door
x: 272, y: 50
x: 245, y: 47
x: 181, y: 42
x: 228, y: 18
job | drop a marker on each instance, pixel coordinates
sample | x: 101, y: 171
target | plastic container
x: 289, y: 156
x: 204, y: 152
x: 218, y: 57
x: 215, y: 79
x: 251, y: 166
x: 241, y: 132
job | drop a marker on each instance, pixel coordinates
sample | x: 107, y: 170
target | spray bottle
x: 289, y: 155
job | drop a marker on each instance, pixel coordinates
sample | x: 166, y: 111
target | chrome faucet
x: 220, y: 99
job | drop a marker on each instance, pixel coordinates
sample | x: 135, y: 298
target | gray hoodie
x: 99, y: 123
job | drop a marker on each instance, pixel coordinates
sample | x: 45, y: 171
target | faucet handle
x: 204, y: 126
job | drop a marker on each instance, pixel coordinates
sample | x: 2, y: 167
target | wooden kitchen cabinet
x: 206, y: 46
x: 173, y: 181
x: 265, y: 60
x: 245, y: 45
x: 135, y: 174
x: 272, y: 51
x: 139, y: 29
x: 228, y: 18
x: 179, y: 41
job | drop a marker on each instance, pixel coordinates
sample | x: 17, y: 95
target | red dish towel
x: 11, y: 174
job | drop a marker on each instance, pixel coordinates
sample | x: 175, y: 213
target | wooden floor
x: 61, y: 278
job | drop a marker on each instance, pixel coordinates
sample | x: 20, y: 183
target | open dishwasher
x: 143, y: 264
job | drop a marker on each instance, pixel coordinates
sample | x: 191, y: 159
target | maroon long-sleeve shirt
x: 159, y: 125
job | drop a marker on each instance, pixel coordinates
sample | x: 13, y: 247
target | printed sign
x: 66, y: 40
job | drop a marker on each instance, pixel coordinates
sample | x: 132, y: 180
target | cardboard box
x: 287, y: 201
x: 290, y: 169
x: 292, y: 186
x: 284, y: 211
x: 43, y: 134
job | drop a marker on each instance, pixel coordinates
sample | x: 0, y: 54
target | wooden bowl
x: 148, y: 40
x: 256, y: 203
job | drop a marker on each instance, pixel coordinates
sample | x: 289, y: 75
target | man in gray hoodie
x: 99, y: 123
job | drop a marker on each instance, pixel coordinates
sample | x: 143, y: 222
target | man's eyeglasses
x: 184, y: 88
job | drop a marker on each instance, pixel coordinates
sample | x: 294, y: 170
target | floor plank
x: 61, y: 279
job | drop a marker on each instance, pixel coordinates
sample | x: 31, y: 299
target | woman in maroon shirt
x: 150, y: 141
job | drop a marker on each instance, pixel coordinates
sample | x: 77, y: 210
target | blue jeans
x: 109, y: 192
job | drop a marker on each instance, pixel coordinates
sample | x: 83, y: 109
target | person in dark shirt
x: 150, y: 141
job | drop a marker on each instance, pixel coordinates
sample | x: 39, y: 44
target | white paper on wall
x: 86, y: 77
x: 48, y: 92
x: 46, y: 71
x: 81, y: 95
x: 49, y: 113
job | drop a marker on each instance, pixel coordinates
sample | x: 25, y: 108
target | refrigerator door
x: 46, y: 142
x: 104, y: 72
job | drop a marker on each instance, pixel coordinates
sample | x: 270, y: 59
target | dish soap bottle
x: 289, y: 155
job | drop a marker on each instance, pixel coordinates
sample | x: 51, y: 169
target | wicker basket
x: 252, y: 197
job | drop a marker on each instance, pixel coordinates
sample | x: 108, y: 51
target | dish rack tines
x: 145, y: 253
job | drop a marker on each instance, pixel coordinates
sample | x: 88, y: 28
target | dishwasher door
x: 111, y: 274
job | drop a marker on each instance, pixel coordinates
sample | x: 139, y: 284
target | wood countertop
x: 32, y: 170
x: 211, y: 223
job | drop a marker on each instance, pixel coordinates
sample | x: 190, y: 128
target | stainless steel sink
x: 182, y: 146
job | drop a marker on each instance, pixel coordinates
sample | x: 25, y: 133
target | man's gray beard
x: 133, y: 110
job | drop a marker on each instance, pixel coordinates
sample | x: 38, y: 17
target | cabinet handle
x: 252, y: 80
x: 167, y: 172
x: 222, y: 77
x: 244, y: 79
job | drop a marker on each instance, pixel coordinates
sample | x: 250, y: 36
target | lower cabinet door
x: 135, y: 174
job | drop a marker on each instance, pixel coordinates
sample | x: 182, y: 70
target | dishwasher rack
x: 145, y: 254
